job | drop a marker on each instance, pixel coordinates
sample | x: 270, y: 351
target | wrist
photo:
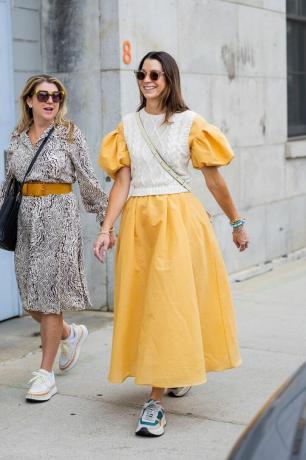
x: 102, y: 232
x: 106, y: 228
x: 237, y: 224
x: 238, y: 221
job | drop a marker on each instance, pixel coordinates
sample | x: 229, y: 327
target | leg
x: 37, y: 315
x: 51, y: 330
x: 157, y: 393
x: 71, y: 339
x: 43, y: 383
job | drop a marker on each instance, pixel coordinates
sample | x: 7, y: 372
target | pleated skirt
x: 173, y: 311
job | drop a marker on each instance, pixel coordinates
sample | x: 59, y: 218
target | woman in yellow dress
x: 174, y: 319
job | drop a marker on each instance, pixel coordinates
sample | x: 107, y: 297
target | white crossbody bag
x: 157, y: 155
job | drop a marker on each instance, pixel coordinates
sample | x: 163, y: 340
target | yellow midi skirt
x: 173, y: 313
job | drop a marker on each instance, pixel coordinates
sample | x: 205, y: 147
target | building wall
x: 232, y: 55
x: 71, y: 49
x: 20, y: 56
x: 9, y: 302
x: 27, y: 57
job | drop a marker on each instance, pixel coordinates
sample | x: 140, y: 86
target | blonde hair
x: 26, y: 115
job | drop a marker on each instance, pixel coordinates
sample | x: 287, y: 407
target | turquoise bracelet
x: 237, y: 223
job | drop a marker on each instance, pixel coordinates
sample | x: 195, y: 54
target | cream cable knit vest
x: 171, y: 140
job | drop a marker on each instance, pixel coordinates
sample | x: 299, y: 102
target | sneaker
x: 152, y: 420
x: 178, y: 392
x: 43, y: 386
x: 71, y: 347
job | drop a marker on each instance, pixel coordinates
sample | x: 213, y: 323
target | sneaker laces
x: 150, y: 411
x: 39, y: 377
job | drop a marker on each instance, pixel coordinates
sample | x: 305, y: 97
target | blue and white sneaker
x: 152, y: 420
x: 178, y: 392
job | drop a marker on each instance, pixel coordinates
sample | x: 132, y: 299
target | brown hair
x: 26, y: 116
x: 172, y: 99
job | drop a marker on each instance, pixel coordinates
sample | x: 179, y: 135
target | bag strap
x: 36, y: 154
x: 157, y: 155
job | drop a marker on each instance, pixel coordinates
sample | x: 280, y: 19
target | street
x: 92, y: 419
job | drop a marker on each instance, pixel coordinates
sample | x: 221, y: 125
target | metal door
x: 9, y: 299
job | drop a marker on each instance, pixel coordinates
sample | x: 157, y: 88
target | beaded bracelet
x: 237, y: 223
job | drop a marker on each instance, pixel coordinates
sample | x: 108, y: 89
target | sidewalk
x: 90, y: 419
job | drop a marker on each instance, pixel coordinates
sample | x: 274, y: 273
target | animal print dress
x: 49, y: 252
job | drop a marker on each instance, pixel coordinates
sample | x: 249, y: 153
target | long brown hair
x: 172, y: 99
x: 26, y: 116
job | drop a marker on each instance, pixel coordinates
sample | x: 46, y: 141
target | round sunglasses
x: 43, y: 96
x: 153, y: 74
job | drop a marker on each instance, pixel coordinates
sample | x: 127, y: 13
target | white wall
x: 232, y: 55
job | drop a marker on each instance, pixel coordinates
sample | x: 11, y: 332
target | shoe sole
x: 76, y: 355
x: 173, y: 395
x: 41, y: 398
x: 144, y: 432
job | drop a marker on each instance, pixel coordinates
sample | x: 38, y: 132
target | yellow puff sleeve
x: 208, y: 145
x: 114, y: 153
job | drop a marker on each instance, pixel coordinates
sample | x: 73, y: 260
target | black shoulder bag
x: 11, y: 203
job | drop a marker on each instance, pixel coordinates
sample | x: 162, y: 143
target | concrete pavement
x: 91, y: 419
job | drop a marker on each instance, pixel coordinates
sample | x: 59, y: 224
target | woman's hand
x: 117, y: 199
x: 102, y: 244
x: 241, y: 239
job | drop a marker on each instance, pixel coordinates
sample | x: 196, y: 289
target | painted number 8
x: 126, y: 52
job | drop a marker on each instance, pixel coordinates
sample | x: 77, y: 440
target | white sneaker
x: 71, y: 347
x: 43, y: 386
x: 178, y: 392
x: 152, y: 420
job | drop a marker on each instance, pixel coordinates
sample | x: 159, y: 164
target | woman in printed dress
x: 174, y: 319
x: 49, y: 250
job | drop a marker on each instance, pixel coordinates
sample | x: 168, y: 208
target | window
x: 296, y: 67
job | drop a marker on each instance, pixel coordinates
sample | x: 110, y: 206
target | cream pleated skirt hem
x: 173, y: 313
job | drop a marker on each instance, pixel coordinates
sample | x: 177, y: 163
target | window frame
x: 301, y: 19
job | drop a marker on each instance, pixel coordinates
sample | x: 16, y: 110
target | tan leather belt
x: 45, y: 188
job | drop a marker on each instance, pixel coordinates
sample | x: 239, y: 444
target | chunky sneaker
x: 152, y: 420
x: 178, y: 392
x: 43, y: 386
x: 71, y: 347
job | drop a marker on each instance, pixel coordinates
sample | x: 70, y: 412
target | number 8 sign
x: 126, y: 52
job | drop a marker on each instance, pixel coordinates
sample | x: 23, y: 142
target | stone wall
x: 27, y: 57
x: 71, y: 49
x: 232, y: 55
